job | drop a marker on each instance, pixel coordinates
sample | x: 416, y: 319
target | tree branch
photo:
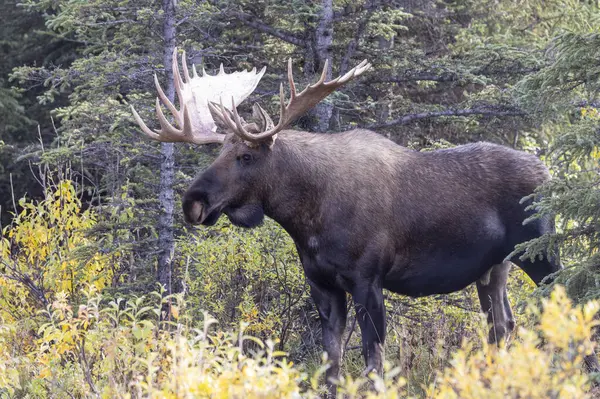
x: 449, y: 112
x: 448, y: 76
x: 24, y: 279
x: 263, y: 27
x: 443, y: 77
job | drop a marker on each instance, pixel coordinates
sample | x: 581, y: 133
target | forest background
x: 105, y: 292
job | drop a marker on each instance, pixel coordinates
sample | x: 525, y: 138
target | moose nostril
x: 193, y: 212
x: 192, y: 204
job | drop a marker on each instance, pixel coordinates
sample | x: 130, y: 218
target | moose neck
x: 300, y: 164
x: 313, y: 177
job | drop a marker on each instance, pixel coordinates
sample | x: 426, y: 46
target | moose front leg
x: 370, y: 312
x: 331, y: 304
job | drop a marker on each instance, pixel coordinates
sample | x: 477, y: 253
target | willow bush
x: 121, y: 349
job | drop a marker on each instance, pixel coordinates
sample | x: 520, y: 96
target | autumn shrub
x: 543, y: 362
x: 46, y: 250
x: 121, y: 349
x: 253, y: 276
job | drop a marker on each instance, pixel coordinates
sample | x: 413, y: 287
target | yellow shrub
x: 38, y: 252
x: 539, y: 364
x: 121, y: 349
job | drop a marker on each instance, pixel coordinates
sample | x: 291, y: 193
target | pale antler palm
x: 194, y: 120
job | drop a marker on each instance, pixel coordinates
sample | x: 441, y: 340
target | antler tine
x: 298, y: 103
x: 177, y: 82
x: 259, y: 113
x: 166, y: 101
x: 186, y: 73
x: 236, y: 116
x: 356, y: 71
x: 149, y: 132
x: 323, y: 76
x: 165, y: 127
x: 236, y: 124
x: 175, y: 66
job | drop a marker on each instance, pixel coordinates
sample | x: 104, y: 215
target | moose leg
x: 493, y: 298
x: 370, y: 313
x: 509, y: 314
x: 331, y: 305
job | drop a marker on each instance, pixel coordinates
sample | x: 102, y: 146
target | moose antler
x: 194, y: 121
x: 297, y: 105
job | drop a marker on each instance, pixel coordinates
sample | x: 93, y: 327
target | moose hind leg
x: 491, y: 289
x: 370, y: 313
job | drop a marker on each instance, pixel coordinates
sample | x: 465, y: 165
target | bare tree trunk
x: 166, y: 241
x: 324, y: 40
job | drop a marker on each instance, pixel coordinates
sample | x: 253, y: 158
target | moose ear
x: 262, y: 123
x: 261, y: 118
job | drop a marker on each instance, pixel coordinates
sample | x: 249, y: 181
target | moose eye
x: 245, y: 159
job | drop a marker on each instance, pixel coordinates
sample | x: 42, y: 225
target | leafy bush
x: 253, y: 276
x: 545, y: 362
x: 46, y: 250
x: 121, y: 348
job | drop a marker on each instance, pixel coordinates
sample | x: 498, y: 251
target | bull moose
x: 365, y: 213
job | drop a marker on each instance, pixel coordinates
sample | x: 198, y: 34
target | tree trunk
x: 323, y: 42
x: 166, y: 241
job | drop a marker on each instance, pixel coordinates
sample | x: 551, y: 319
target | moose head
x: 238, y: 181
